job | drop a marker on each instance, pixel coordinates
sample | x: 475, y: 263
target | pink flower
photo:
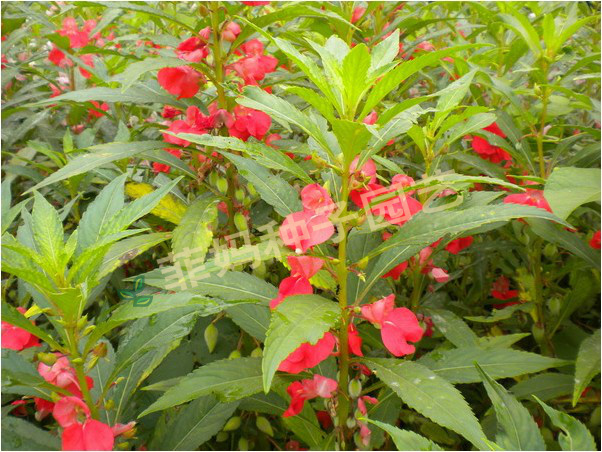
x: 77, y: 38
x: 439, y: 275
x: 365, y: 175
x: 487, y: 151
x: 376, y: 312
x: 402, y: 180
x: 58, y: 58
x: 249, y: 123
x: 94, y: 113
x: 425, y: 46
x: 315, y: 198
x: 170, y: 112
x: 231, y: 31
x: 124, y: 429
x: 88, y: 60
x: 307, y: 356
x: 361, y: 403
x: 61, y: 374
x: 531, y: 197
x: 89, y: 435
x: 293, y: 285
x: 371, y: 118
x: 303, y: 390
x: 255, y: 3
x: 181, y: 81
x: 302, y: 230
x: 193, y: 49
x: 16, y: 338
x: 305, y: 266
x: 399, y: 327
x: 354, y: 340
x: 595, y: 240
x: 69, y: 410
x: 396, y: 271
x: 358, y: 12
x: 43, y: 408
x: 500, y: 290
x: 253, y: 67
x: 397, y: 209
x: 455, y: 246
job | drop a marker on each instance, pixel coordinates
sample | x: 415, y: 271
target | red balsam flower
x: 16, y: 338
x: 303, y: 390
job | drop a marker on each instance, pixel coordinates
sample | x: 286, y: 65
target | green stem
x: 222, y: 102
x: 417, y: 280
x: 540, y: 324
x: 343, y: 399
x: 78, y: 363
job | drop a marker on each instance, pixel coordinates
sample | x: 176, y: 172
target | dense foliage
x: 280, y: 225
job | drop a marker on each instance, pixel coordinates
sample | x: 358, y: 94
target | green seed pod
x: 594, y: 420
x: 240, y: 221
x: 355, y: 388
x: 550, y: 250
x: 243, y: 444
x: 221, y: 437
x: 251, y: 189
x: 222, y: 185
x: 547, y: 434
x: 555, y: 304
x: 211, y: 333
x: 235, y: 354
x: 260, y: 270
x: 257, y: 352
x: 123, y: 446
x: 213, y: 178
x: 263, y: 425
x: 350, y: 422
x: 109, y: 404
x: 538, y: 333
x: 81, y: 323
x: 232, y: 424
x: 240, y: 195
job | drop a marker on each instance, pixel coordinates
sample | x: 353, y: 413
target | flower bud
x: 47, y: 358
x: 257, y: 353
x: 100, y: 350
x: 355, y: 388
x: 109, y: 404
x: 263, y: 425
x: 123, y: 445
x: 234, y: 354
x: 555, y: 304
x: 211, y: 334
x: 88, y: 330
x: 251, y: 189
x: 81, y: 323
x: 243, y: 444
x: 232, y: 424
x: 538, y: 333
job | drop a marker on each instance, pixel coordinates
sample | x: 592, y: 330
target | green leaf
x: 453, y: 328
x: 18, y: 434
x: 196, y: 424
x: 298, y: 319
x: 139, y: 94
x: 352, y: 137
x: 587, y: 365
x: 430, y: 395
x: 568, y: 240
x: 474, y: 123
x: 272, y: 189
x: 452, y: 96
x: 425, y: 228
x: 126, y: 250
x: 194, y: 232
x: 516, y: 428
x: 355, y: 75
x: 393, y: 79
x: 47, y: 229
x: 406, y: 439
x: 100, y: 155
x: 265, y: 155
x: 227, y: 379
x: 519, y: 23
x: 457, y: 365
x: 166, y: 330
x: 385, y: 51
x: 575, y: 435
x: 567, y: 188
x: 106, y: 204
x: 315, y: 99
x: 545, y: 386
x: 252, y: 318
x: 497, y: 315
